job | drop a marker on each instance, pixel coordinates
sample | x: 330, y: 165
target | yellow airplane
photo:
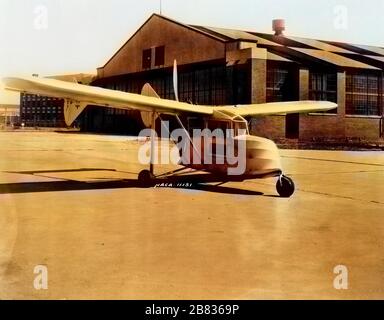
x: 261, y: 157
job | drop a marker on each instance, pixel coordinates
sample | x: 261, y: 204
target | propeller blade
x: 175, y: 80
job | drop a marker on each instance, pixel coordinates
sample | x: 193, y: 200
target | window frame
x: 361, y: 98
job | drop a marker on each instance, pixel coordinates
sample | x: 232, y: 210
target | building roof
x: 360, y: 49
x: 276, y: 57
x: 320, y: 45
x: 333, y: 53
x: 335, y: 59
x: 291, y: 48
x: 378, y: 58
x: 231, y: 34
x: 377, y: 50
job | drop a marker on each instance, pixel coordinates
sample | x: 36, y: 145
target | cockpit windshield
x: 240, y: 127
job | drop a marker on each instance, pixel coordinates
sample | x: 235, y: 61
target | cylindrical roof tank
x: 278, y: 25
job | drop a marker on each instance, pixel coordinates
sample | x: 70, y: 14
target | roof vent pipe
x: 278, y: 25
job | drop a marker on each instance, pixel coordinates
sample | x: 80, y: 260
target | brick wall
x: 320, y: 127
x: 270, y: 127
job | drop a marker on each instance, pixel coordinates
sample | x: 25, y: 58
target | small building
x: 9, y: 115
x: 223, y: 66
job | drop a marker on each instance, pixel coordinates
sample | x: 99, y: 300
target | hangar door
x: 282, y: 85
x: 292, y: 123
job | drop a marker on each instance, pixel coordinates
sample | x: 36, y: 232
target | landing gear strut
x: 285, y: 186
x: 146, y: 178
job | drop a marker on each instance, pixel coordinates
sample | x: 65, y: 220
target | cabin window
x: 195, y: 123
x: 219, y: 124
x: 240, y: 125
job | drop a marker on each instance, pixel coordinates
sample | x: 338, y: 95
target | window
x: 153, y: 57
x: 238, y: 83
x: 169, y: 92
x: 147, y: 58
x: 218, y: 77
x: 276, y: 84
x: 186, y: 87
x: 323, y: 87
x: 362, y: 94
x: 208, y: 86
x: 159, y: 56
x: 202, y: 86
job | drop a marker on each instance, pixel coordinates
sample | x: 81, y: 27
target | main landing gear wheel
x: 146, y: 178
x: 285, y: 186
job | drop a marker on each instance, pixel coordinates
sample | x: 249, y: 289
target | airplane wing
x: 78, y: 96
x: 264, y: 109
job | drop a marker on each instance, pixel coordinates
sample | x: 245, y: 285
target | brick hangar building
x: 222, y: 66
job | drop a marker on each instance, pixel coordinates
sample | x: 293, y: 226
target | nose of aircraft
x: 262, y: 155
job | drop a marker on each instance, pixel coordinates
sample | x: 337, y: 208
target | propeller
x: 175, y: 80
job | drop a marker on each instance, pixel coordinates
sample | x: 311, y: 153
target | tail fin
x: 72, y: 110
x: 146, y: 117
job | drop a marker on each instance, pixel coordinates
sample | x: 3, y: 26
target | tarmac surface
x: 70, y: 202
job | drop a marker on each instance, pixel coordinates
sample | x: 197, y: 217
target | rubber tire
x: 285, y: 187
x: 146, y: 178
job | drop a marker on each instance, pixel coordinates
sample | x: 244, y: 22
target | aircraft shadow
x: 60, y: 171
x: 194, y: 182
x: 65, y: 185
x: 227, y: 190
x: 72, y: 185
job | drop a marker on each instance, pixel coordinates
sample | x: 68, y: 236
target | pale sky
x: 51, y: 37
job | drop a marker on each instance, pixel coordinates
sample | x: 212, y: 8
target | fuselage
x: 253, y: 155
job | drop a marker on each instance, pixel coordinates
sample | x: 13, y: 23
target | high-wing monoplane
x: 260, y: 156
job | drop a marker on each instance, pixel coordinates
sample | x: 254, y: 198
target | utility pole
x: 161, y: 7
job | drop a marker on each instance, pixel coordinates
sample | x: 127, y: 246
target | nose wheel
x: 285, y: 186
